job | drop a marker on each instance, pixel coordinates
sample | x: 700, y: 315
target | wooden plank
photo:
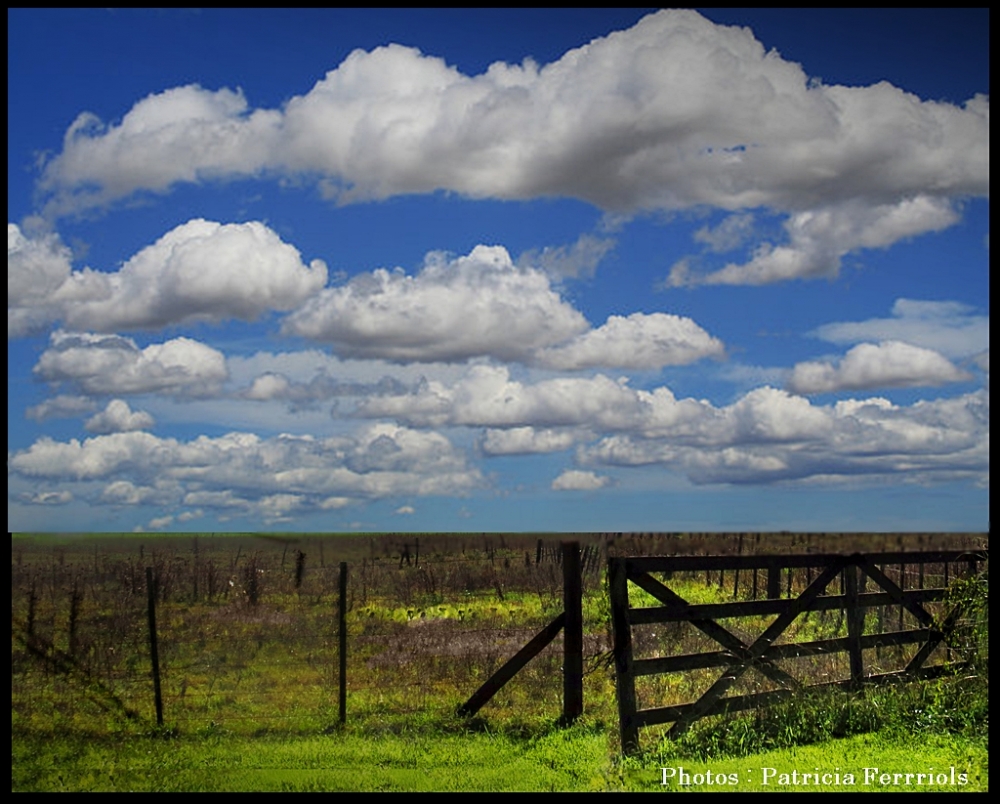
x: 717, y: 632
x: 897, y: 594
x: 495, y: 682
x: 755, y: 608
x: 790, y: 650
x: 622, y: 634
x: 936, y: 638
x: 756, y: 650
x: 668, y: 714
x: 573, y: 634
x: 762, y: 561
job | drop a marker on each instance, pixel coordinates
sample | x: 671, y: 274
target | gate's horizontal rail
x: 793, y: 650
x: 751, y: 608
x: 670, y: 714
x: 764, y: 561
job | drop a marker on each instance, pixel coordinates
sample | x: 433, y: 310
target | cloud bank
x: 674, y: 113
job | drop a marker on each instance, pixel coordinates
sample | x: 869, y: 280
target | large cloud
x: 481, y: 304
x: 637, y: 342
x: 939, y: 440
x: 767, y: 434
x: 198, y: 271
x: 111, y: 364
x: 819, y: 238
x: 36, y: 267
x: 891, y: 364
x: 243, y: 471
x: 675, y: 112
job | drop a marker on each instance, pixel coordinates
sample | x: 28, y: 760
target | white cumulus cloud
x: 890, y: 364
x: 638, y: 341
x: 949, y: 327
x: 675, y: 112
x: 198, y: 271
x: 112, y: 364
x: 453, y: 309
x: 62, y: 406
x: 118, y: 417
x: 272, y: 477
x: 575, y: 480
x: 36, y: 267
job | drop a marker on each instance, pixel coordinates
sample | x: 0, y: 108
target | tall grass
x: 248, y: 646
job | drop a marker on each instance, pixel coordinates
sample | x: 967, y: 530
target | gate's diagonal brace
x: 936, y: 638
x: 720, y: 634
x: 938, y: 635
x: 495, y: 682
x: 897, y: 594
x: 762, y: 643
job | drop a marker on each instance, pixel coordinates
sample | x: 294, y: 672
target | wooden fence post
x: 624, y: 677
x: 773, y: 582
x: 342, y: 639
x: 153, y: 649
x: 573, y: 633
x: 855, y: 624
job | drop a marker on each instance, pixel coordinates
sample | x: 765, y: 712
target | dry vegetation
x: 248, y: 626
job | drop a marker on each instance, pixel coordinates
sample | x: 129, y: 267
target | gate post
x: 572, y: 633
x: 624, y: 678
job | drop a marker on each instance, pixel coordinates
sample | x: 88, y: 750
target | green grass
x: 250, y: 690
x: 581, y: 758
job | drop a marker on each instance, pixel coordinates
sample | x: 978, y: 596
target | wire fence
x: 248, y: 637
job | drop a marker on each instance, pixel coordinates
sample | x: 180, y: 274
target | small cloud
x: 575, y: 261
x: 405, y: 509
x: 573, y: 480
x: 48, y: 497
x: 61, y: 407
x: 732, y: 233
x: 891, y: 364
x: 118, y: 417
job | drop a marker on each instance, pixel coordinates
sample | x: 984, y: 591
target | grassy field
x: 248, y: 648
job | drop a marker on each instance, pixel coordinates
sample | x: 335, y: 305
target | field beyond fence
x: 248, y: 628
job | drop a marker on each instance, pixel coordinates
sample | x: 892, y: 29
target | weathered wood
x: 750, y: 608
x: 495, y: 682
x: 624, y: 675
x: 756, y: 650
x: 342, y: 642
x: 573, y: 633
x: 791, y: 650
x: 736, y: 658
x: 855, y: 624
x: 154, y: 653
x: 747, y: 561
x: 717, y: 632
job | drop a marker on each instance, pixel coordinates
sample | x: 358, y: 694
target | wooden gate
x: 737, y: 656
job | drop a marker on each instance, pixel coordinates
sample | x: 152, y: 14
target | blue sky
x: 498, y: 269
